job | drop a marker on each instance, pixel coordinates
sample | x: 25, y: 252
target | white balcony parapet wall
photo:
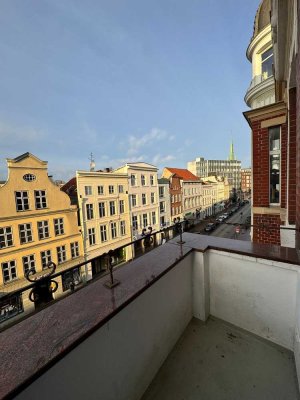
x: 119, y: 360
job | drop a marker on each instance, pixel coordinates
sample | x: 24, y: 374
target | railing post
x: 44, y: 286
x: 112, y: 282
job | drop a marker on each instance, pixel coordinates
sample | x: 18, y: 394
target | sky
x: 160, y: 81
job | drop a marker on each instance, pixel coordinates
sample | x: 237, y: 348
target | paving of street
x: 226, y: 229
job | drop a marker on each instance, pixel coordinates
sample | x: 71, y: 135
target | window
x: 29, y: 177
x: 162, y: 206
x: 113, y: 227
x: 153, y: 217
x: 121, y: 206
x: 29, y: 264
x: 25, y: 233
x: 61, y: 254
x: 45, y: 258
x: 91, y: 236
x: 22, y: 201
x: 152, y: 198
x: 88, y: 190
x: 111, y: 189
x: 112, y: 208
x: 267, y: 63
x: 274, y: 138
x: 161, y: 191
x: 40, y: 199
x: 6, y: 238
x: 74, y: 249
x: 122, y: 228
x: 151, y: 180
x: 144, y: 200
x: 100, y: 190
x: 59, y: 226
x: 121, y: 189
x: 101, y: 210
x: 143, y: 180
x: 103, y: 233
x: 145, y: 220
x: 89, y: 211
x: 134, y: 222
x: 9, y: 271
x: 43, y: 229
x: 133, y: 200
x: 133, y: 180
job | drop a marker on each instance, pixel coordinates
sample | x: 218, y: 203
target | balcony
x: 261, y: 91
x: 208, y: 318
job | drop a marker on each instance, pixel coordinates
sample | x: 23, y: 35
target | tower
x: 231, y: 153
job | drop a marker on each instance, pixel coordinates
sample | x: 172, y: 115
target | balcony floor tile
x: 217, y: 361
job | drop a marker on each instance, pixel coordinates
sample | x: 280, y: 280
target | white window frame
x: 102, y: 210
x: 43, y: 229
x: 144, y: 199
x: 25, y: 229
x: 21, y: 197
x: 91, y: 236
x: 122, y: 228
x: 100, y: 190
x: 61, y: 254
x: 113, y: 230
x: 143, y: 180
x: 111, y: 189
x: 11, y: 267
x: 28, y: 263
x: 134, y: 197
x: 103, y: 233
x: 46, y: 258
x: 40, y: 198
x: 6, y: 237
x: 89, y: 208
x: 88, y: 190
x: 74, y: 247
x: 59, y: 226
x: 112, y: 208
x: 121, y: 206
x: 275, y: 152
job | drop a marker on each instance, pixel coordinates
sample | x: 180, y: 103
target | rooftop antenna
x: 92, y: 163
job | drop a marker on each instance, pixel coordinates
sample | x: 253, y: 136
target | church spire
x: 231, y: 154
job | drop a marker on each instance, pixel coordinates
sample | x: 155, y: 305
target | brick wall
x: 292, y: 158
x: 298, y: 138
x: 266, y: 228
x: 261, y: 163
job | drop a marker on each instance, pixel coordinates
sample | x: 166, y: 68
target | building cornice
x: 259, y: 89
x: 266, y: 31
x: 269, y: 111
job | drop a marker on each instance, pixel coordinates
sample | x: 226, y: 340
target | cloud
x: 14, y: 135
x: 136, y: 143
x: 160, y: 160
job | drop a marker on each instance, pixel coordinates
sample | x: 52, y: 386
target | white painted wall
x: 119, y: 361
x: 255, y: 294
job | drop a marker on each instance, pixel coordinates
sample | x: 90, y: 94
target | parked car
x: 210, y: 227
x: 225, y: 215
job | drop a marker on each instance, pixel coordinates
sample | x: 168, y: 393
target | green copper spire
x: 231, y: 154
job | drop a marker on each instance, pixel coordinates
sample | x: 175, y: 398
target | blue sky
x: 159, y: 81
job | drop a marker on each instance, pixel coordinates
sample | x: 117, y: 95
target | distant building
x: 164, y: 202
x: 231, y: 168
x: 191, y: 191
x: 102, y: 198
x: 246, y: 179
x: 37, y: 225
x: 143, y: 193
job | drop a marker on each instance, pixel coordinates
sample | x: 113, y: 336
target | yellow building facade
x: 105, y: 216
x: 37, y: 223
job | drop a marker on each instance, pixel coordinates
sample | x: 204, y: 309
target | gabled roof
x: 183, y: 174
x: 27, y: 155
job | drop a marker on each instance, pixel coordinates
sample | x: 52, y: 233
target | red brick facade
x: 292, y: 158
x: 266, y: 228
x: 298, y: 138
x: 176, y: 196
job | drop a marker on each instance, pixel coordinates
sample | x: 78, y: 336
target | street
x: 226, y: 230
